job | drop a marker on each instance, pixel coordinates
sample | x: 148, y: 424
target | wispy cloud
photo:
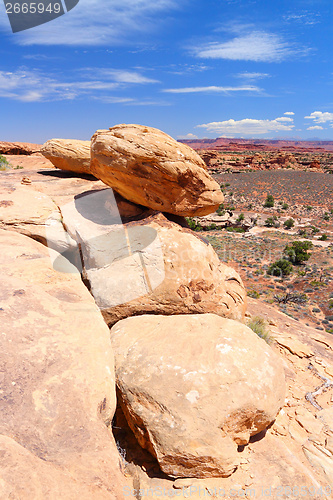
x: 212, y: 89
x: 28, y: 85
x: 186, y: 69
x: 320, y: 117
x: 249, y: 126
x: 98, y: 22
x: 304, y: 17
x: 246, y: 75
x: 258, y: 46
x: 291, y: 113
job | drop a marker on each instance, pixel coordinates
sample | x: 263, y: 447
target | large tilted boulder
x: 68, y: 154
x: 57, y: 382
x: 194, y: 387
x: 150, y: 168
x: 151, y: 265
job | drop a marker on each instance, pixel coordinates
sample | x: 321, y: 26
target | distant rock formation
x: 68, y: 154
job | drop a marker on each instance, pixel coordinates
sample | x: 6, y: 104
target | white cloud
x: 212, y: 88
x: 252, y: 76
x: 31, y: 86
x: 98, y: 22
x: 315, y: 127
x: 289, y: 113
x: 284, y: 119
x: 249, y: 126
x: 320, y: 116
x: 187, y: 136
x: 257, y: 46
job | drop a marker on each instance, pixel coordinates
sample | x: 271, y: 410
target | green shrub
x: 240, y: 218
x: 280, y: 268
x: 297, y: 252
x: 4, y: 165
x: 253, y: 293
x: 272, y: 221
x: 235, y: 229
x: 220, y: 211
x: 323, y: 237
x: 192, y: 224
x: 314, y: 230
x: 326, y: 216
x: 289, y: 223
x: 259, y: 326
x: 285, y: 206
x: 269, y: 202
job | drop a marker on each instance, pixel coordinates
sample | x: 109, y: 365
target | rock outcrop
x: 195, y: 387
x: 57, y: 382
x: 151, y: 265
x: 18, y: 148
x: 150, y: 168
x: 68, y: 154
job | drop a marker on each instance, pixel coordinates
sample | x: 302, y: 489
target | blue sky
x: 193, y: 68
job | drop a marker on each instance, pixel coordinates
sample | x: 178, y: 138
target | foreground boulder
x: 57, y: 387
x: 68, y: 154
x: 150, y: 265
x: 150, y: 168
x: 195, y: 387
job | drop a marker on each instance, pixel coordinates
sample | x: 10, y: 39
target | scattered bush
x: 289, y: 223
x: 285, y: 206
x: 280, y: 268
x: 269, y: 202
x: 259, y: 326
x: 297, y: 252
x: 326, y: 216
x: 323, y: 237
x: 240, y: 218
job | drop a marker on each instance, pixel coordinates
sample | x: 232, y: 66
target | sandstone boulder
x: 151, y: 265
x: 57, y: 382
x: 194, y: 387
x: 150, y: 168
x: 68, y: 154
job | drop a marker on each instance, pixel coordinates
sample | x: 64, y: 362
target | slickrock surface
x: 57, y: 387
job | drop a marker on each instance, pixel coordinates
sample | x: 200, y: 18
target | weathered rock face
x: 68, y: 154
x: 25, y: 210
x: 150, y: 265
x: 57, y: 382
x: 195, y: 387
x: 150, y: 168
